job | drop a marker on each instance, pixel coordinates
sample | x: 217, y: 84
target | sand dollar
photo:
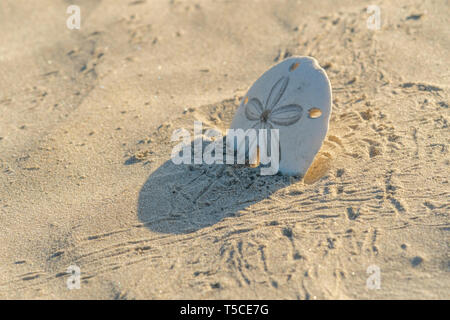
x: 294, y: 97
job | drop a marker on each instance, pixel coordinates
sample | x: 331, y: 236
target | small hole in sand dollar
x: 257, y: 161
x: 245, y: 100
x: 314, y: 113
x: 294, y: 66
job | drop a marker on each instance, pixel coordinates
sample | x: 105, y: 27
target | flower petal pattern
x: 257, y: 125
x: 277, y: 92
x: 253, y: 109
x: 286, y: 115
x: 270, y: 115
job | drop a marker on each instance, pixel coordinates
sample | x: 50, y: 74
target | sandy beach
x: 87, y: 181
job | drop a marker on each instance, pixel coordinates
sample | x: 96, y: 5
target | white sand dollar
x: 293, y: 96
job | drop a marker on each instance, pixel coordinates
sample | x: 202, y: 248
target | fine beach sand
x: 86, y: 179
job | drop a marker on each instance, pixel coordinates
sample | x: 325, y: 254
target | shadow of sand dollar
x: 185, y: 198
